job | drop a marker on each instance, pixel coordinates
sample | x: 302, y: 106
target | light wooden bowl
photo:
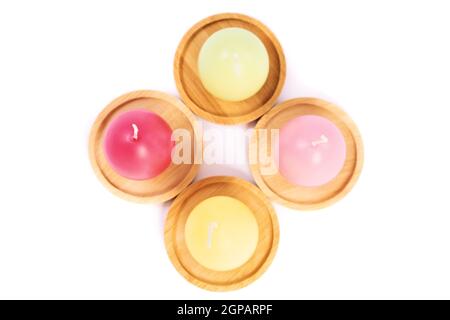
x: 172, y: 180
x: 199, y: 99
x: 180, y: 255
x: 278, y: 188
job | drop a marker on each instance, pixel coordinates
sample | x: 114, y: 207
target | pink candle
x: 312, y: 151
x: 138, y: 144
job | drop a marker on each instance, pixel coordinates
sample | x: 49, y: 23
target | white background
x: 63, y: 235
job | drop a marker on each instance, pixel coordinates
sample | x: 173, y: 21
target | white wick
x: 323, y: 139
x: 136, y: 131
x: 211, y: 227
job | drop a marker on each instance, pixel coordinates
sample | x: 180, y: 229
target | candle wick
x: 211, y: 227
x: 323, y: 139
x: 135, y: 131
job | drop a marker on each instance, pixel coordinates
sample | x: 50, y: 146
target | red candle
x: 138, y: 144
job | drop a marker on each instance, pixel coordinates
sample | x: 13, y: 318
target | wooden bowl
x: 199, y: 99
x: 197, y: 273
x: 172, y: 180
x: 278, y: 188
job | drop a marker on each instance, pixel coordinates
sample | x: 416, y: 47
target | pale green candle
x: 233, y: 64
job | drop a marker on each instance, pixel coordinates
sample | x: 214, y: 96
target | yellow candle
x: 221, y: 233
x: 233, y: 64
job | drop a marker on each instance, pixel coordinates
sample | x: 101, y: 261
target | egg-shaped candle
x: 138, y: 145
x: 221, y: 233
x: 312, y: 151
x: 233, y: 64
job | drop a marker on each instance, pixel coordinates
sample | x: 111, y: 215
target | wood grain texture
x: 176, y: 244
x: 199, y: 100
x: 278, y: 188
x: 172, y: 180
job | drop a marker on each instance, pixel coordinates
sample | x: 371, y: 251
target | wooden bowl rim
x: 228, y: 120
x: 172, y: 218
x: 118, y: 103
x: 338, y: 113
